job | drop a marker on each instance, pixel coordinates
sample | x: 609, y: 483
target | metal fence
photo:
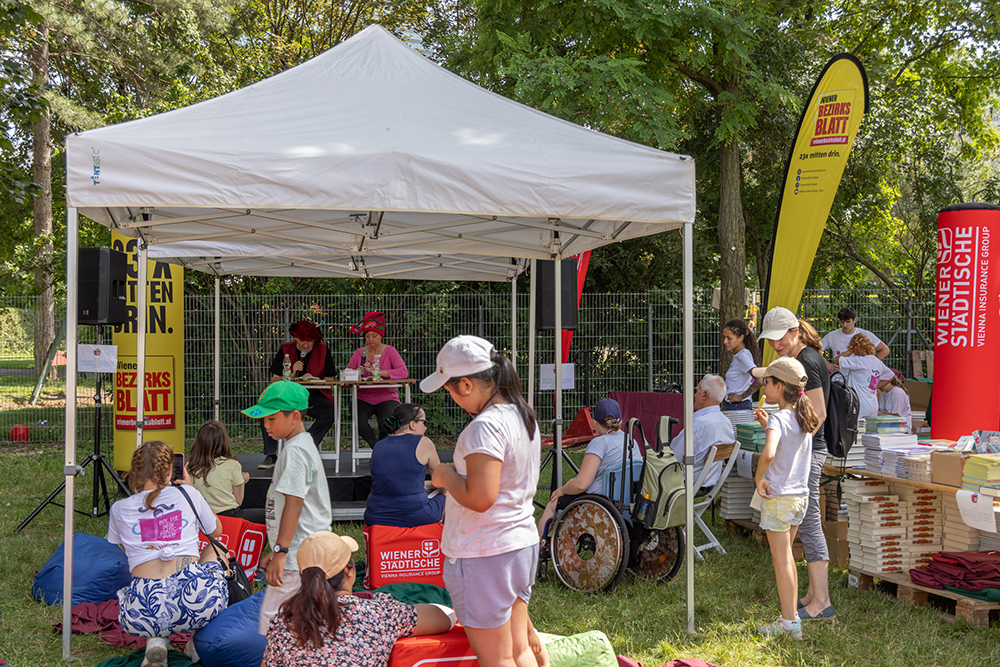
x: 635, y: 343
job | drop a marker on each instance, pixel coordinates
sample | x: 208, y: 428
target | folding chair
x: 727, y: 453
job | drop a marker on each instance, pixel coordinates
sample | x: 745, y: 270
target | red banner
x: 966, y: 393
x: 582, y: 262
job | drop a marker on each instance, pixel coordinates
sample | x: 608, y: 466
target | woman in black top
x: 792, y: 337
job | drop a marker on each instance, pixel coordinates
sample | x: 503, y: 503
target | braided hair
x: 151, y: 461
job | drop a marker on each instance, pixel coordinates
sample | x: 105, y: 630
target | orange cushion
x: 243, y: 538
x: 394, y: 555
x: 448, y: 650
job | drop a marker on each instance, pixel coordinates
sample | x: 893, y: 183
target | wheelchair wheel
x: 590, y: 545
x: 658, y: 553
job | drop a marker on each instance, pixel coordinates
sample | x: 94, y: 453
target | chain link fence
x: 633, y: 342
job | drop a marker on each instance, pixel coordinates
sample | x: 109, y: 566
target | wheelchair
x: 594, y: 539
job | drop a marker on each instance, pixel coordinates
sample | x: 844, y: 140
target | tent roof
x: 371, y: 147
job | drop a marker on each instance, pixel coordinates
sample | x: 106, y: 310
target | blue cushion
x: 100, y: 569
x: 231, y: 638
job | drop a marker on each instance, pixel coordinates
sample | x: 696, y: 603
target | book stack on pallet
x: 877, y: 533
x: 924, y: 522
x: 750, y: 435
x: 957, y: 535
x: 735, y: 498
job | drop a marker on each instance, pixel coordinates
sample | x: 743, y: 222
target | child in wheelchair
x: 783, y: 478
x: 603, y: 452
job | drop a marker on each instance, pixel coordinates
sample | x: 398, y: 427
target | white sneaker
x: 783, y: 627
x: 156, y: 652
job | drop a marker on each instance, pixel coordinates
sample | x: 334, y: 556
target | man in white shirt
x: 711, y: 427
x: 836, y: 341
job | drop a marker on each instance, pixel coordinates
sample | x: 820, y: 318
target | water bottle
x: 642, y: 510
x: 286, y: 368
x: 376, y: 373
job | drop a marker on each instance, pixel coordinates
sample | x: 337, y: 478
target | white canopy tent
x: 368, y: 154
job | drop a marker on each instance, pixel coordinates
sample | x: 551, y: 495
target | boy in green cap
x: 298, y: 500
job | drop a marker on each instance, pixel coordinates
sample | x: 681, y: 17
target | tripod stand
x: 101, y: 465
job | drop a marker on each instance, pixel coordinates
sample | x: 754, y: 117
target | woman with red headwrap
x: 310, y: 357
x: 376, y: 361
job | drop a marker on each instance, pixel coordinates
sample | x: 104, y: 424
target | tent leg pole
x: 689, y: 419
x: 557, y: 458
x: 218, y: 341
x: 532, y: 286
x: 69, y: 470
x: 140, y: 342
x: 513, y: 321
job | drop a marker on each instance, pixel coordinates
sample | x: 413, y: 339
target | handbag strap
x: 216, y: 545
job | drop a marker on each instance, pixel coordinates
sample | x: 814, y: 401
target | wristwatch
x: 278, y: 549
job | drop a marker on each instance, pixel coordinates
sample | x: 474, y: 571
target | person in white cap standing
x: 325, y: 624
x: 791, y: 337
x: 489, y: 530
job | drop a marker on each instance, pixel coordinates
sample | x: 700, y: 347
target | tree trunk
x: 732, y: 242
x: 41, y: 171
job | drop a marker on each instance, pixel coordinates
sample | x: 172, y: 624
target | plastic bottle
x: 642, y: 510
x: 376, y: 373
x: 286, y: 368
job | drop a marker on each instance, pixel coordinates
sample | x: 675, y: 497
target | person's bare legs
x: 785, y: 572
x: 817, y: 597
x: 548, y: 513
x: 495, y: 647
x: 535, y: 642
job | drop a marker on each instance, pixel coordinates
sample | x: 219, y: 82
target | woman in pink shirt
x: 376, y: 361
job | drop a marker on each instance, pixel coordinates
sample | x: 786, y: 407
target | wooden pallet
x: 973, y: 611
x: 749, y: 528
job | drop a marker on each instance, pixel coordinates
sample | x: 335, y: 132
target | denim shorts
x: 183, y: 602
x: 780, y: 513
x: 483, y: 590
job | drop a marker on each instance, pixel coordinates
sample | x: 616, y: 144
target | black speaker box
x: 545, y: 295
x: 103, y: 273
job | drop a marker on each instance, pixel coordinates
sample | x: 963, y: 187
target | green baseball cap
x: 282, y: 395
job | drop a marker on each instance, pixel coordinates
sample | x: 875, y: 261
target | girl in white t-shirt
x: 893, y: 399
x: 740, y: 385
x: 489, y: 536
x: 783, y: 478
x: 864, y: 370
x: 173, y: 589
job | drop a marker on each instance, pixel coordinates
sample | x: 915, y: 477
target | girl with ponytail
x: 783, y: 478
x: 489, y: 530
x: 740, y: 385
x: 324, y: 623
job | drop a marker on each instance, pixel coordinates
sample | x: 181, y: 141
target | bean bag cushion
x: 99, y: 570
x: 587, y: 649
x: 231, y: 638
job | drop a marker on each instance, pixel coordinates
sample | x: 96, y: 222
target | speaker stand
x: 101, y: 502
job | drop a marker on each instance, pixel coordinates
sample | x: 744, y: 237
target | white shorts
x: 275, y: 596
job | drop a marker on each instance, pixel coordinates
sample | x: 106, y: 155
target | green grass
x: 735, y: 593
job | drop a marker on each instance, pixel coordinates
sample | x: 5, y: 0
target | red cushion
x: 244, y: 539
x: 394, y: 555
x: 448, y: 650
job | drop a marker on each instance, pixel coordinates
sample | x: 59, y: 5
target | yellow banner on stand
x: 823, y: 141
x: 163, y: 409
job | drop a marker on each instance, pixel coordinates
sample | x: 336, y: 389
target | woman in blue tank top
x: 400, y: 464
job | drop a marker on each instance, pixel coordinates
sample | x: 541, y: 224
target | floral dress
x: 367, y: 632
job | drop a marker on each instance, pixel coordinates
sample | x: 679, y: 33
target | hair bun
x: 392, y: 423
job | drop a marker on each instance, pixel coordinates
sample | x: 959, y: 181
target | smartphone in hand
x: 178, y: 470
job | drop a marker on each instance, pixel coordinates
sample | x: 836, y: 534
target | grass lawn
x: 734, y: 594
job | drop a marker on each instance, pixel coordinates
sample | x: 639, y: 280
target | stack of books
x: 740, y: 417
x: 854, y: 459
x: 876, y: 443
x: 918, y: 467
x: 925, y: 528
x: 836, y: 508
x: 750, y: 435
x: 735, y: 497
x: 957, y: 536
x: 894, y: 460
x: 989, y: 541
x: 885, y: 424
x: 981, y: 470
x: 877, y: 532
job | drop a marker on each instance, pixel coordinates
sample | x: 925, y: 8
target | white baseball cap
x: 461, y: 356
x: 777, y: 322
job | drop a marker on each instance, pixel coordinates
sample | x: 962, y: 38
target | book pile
x: 876, y: 532
x: 989, y: 541
x: 836, y: 508
x: 981, y: 470
x: 884, y: 424
x: 894, y: 460
x: 877, y: 443
x: 854, y: 459
x: 957, y: 535
x: 735, y: 496
x: 740, y: 417
x: 924, y: 517
x: 750, y: 435
x: 918, y: 467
